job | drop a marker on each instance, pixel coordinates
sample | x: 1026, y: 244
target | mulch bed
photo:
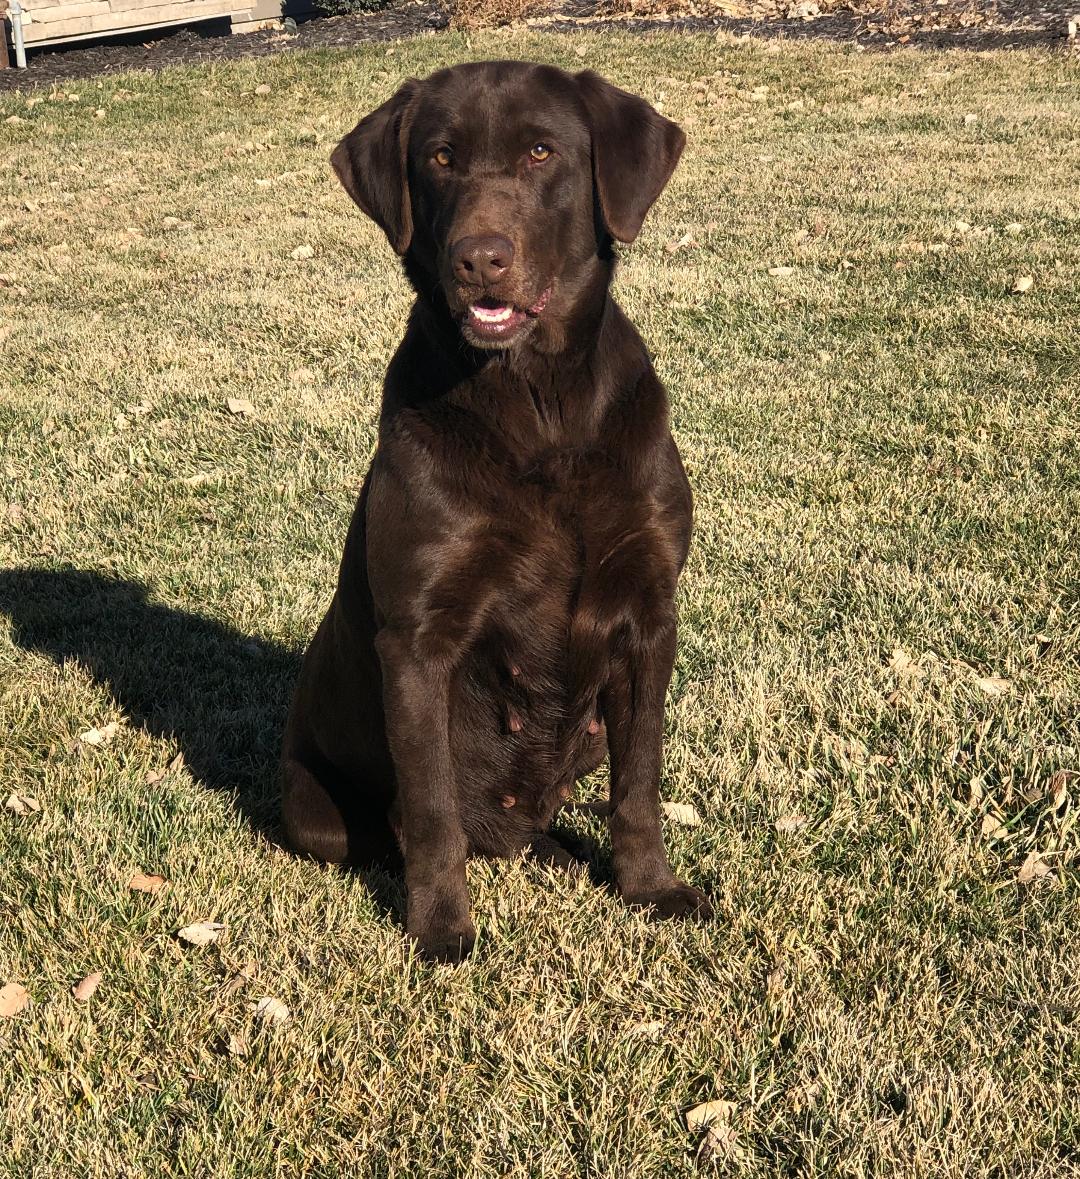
x: 962, y: 24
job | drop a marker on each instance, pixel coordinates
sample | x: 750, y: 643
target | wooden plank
x: 35, y: 5
x: 115, y: 22
x: 62, y: 12
x: 178, y: 11
x: 138, y: 7
x: 39, y: 30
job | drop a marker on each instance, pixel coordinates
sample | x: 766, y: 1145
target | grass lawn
x: 874, y: 710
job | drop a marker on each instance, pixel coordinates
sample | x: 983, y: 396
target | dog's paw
x: 674, y: 900
x: 451, y: 944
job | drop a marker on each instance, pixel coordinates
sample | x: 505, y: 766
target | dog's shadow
x: 220, y: 695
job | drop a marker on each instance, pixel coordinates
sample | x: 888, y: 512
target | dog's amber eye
x: 443, y: 157
x: 540, y: 152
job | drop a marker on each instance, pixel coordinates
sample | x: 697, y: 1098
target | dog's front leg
x: 416, y: 700
x: 633, y: 708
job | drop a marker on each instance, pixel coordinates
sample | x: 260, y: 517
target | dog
x: 504, y: 616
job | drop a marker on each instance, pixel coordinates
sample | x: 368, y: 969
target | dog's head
x: 502, y: 184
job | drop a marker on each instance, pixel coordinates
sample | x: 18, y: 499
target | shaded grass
x: 883, y: 447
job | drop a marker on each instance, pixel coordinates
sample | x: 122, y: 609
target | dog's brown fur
x: 504, y: 615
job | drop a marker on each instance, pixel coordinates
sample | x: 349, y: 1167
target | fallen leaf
x: 1033, y: 868
x: 83, y: 989
x: 262, y: 88
x: 993, y: 828
x: 99, y: 736
x: 303, y: 376
x: 13, y: 998
x: 240, y: 406
x: 714, y: 1117
x: 993, y: 685
x: 271, y: 1010
x: 969, y: 120
x: 1059, y: 786
x: 1013, y: 228
x: 682, y: 813
x: 1022, y: 284
x: 141, y: 882
x: 22, y: 804
x: 647, y: 1029
x: 301, y: 253
x: 240, y: 979
x: 202, y: 933
x: 774, y: 980
x: 902, y: 663
x: 236, y: 1046
x: 685, y: 242
x: 781, y: 271
x: 157, y: 775
x: 789, y: 823
x: 198, y: 480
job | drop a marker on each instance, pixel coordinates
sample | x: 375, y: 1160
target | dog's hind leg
x: 323, y: 819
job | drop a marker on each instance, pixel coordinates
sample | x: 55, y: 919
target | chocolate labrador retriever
x: 504, y: 615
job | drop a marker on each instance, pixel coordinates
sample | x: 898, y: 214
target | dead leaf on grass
x: 271, y: 1010
x: 22, y: 804
x: 682, y: 813
x: 904, y: 664
x: 13, y: 998
x: 236, y: 1045
x: 786, y: 824
x: 687, y: 241
x: 99, y: 736
x: 157, y: 775
x: 781, y: 271
x: 141, y: 882
x: 1033, y: 868
x: 240, y: 406
x: 1022, y: 284
x: 83, y: 989
x: 262, y: 88
x: 302, y: 253
x: 240, y: 979
x: 202, y: 933
x: 714, y: 1117
x: 201, y: 477
x: 1059, y: 786
x: 646, y: 1029
x: 993, y: 685
x: 993, y: 828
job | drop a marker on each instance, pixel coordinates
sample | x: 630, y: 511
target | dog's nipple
x: 594, y: 727
x: 513, y: 721
x: 507, y: 801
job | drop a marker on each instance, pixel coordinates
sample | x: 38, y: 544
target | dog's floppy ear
x: 372, y: 163
x: 635, y: 151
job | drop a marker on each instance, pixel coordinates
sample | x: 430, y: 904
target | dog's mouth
x: 493, y: 321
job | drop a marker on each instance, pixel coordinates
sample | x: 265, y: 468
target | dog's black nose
x: 481, y: 261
